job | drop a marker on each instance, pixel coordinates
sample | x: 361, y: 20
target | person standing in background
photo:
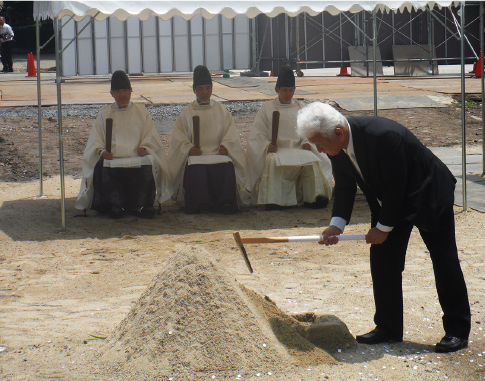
x: 6, y: 44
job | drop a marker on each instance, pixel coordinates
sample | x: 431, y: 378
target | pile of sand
x: 195, y: 321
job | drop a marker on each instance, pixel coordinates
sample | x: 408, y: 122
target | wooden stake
x: 109, y: 133
x: 196, y: 125
x: 274, y: 127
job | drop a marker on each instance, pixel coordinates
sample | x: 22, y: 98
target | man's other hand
x: 272, y: 148
x: 223, y: 150
x: 106, y: 155
x: 329, y: 235
x: 195, y: 151
x: 141, y: 151
x: 376, y: 236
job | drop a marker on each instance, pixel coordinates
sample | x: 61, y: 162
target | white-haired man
x: 405, y: 185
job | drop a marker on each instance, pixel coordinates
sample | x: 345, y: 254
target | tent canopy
x: 187, y: 9
x: 208, y: 9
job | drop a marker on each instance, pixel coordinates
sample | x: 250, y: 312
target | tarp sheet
x: 208, y: 9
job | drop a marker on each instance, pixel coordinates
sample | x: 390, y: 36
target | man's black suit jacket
x: 408, y: 179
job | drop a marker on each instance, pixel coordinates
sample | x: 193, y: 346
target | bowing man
x: 405, y: 185
x: 128, y: 172
x: 209, y: 174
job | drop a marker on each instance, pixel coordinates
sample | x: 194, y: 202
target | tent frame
x: 257, y: 59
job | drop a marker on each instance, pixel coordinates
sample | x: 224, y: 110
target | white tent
x: 99, y: 10
x: 208, y: 9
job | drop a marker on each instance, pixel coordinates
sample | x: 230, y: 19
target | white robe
x: 292, y: 175
x: 132, y: 128
x: 216, y: 128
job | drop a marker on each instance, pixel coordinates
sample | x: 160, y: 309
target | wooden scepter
x: 274, y: 127
x: 109, y: 134
x: 196, y: 124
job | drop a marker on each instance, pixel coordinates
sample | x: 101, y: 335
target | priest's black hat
x: 202, y: 76
x: 286, y: 77
x: 120, y: 81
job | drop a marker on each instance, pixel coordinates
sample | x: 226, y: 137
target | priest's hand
x: 195, y: 151
x: 106, y: 155
x: 329, y: 235
x: 272, y: 148
x: 223, y: 150
x: 306, y: 146
x: 142, y: 151
x: 376, y: 236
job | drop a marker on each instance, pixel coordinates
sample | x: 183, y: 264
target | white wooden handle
x: 317, y: 238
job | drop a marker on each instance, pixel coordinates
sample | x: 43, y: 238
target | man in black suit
x: 405, y: 185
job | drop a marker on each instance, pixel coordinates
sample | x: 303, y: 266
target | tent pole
x: 297, y: 37
x: 482, y: 48
x: 39, y: 105
x: 374, y: 43
x: 59, y: 124
x: 463, y: 126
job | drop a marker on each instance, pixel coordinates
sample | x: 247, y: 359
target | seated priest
x: 284, y: 170
x: 206, y: 157
x: 124, y: 169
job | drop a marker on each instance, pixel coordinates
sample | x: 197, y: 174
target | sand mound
x: 194, y: 320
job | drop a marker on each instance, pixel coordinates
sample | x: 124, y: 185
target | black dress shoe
x: 451, y: 344
x: 378, y: 336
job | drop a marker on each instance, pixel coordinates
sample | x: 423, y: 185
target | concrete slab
x: 443, y: 84
x: 385, y: 102
x: 475, y: 183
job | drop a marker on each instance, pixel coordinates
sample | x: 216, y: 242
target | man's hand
x: 142, y: 151
x: 329, y: 235
x: 195, y: 151
x: 306, y: 146
x: 376, y: 236
x: 272, y: 148
x: 106, y: 155
x: 223, y: 150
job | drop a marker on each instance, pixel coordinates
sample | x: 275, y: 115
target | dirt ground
x: 65, y: 294
x: 19, y: 151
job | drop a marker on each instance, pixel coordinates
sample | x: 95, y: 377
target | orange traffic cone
x: 31, y: 66
x: 343, y: 72
x: 478, y: 67
x: 271, y: 74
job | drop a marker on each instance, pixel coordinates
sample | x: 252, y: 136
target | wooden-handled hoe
x: 301, y: 238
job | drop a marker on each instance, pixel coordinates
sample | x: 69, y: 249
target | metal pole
x: 261, y: 50
x: 298, y: 70
x: 59, y: 124
x: 374, y: 43
x: 463, y: 126
x: 366, y: 44
x: 39, y: 105
x: 340, y: 35
x: 323, y: 39
x: 482, y: 48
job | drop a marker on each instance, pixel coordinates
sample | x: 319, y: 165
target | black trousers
x: 387, y: 264
x: 209, y: 184
x: 127, y: 188
x: 6, y: 51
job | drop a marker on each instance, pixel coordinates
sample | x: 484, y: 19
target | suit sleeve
x: 393, y: 170
x: 345, y: 190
